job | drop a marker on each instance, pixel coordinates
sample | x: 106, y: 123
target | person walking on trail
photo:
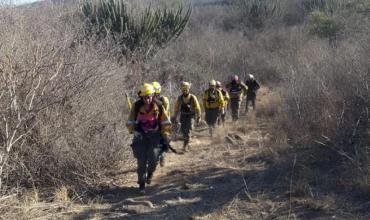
x: 188, y: 107
x: 159, y: 98
x: 236, y: 90
x: 162, y: 101
x: 150, y: 124
x: 213, y: 103
x: 226, y: 98
x: 253, y: 86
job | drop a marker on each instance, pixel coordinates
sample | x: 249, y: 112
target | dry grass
x: 315, y: 102
x: 59, y: 102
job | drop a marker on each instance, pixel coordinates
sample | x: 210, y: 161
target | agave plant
x: 151, y: 28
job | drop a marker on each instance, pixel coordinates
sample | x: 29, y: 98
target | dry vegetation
x: 56, y: 126
x: 63, y: 113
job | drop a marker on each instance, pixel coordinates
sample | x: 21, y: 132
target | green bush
x: 149, y: 29
x: 323, y: 25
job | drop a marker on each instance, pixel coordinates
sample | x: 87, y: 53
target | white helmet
x: 251, y: 76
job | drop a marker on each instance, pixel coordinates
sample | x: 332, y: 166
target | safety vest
x: 147, y: 121
x: 213, y: 99
x: 187, y: 107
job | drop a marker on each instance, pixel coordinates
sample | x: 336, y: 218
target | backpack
x: 159, y: 100
x: 140, y: 102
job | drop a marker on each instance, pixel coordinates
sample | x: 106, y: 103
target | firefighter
x: 159, y: 98
x: 236, y: 90
x: 213, y: 103
x: 163, y: 101
x: 226, y: 97
x: 253, y: 86
x: 150, y: 124
x: 188, y: 107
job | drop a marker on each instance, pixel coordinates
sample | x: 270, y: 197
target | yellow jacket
x: 187, y: 105
x: 164, y: 123
x: 226, y: 96
x: 213, y: 99
x: 163, y: 100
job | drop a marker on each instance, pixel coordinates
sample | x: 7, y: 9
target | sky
x: 24, y: 1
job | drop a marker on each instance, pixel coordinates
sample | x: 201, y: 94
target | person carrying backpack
x: 159, y: 98
x: 188, y: 107
x: 149, y: 123
x: 163, y: 101
x: 236, y: 90
x: 213, y: 103
x: 226, y: 98
x: 253, y: 86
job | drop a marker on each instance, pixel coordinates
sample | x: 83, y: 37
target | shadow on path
x: 178, y: 195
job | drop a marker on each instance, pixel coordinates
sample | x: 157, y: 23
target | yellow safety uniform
x: 191, y: 101
x: 213, y: 99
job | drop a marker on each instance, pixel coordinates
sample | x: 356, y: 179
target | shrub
x: 55, y: 126
x: 323, y: 25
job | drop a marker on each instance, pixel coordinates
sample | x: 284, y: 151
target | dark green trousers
x: 187, y: 123
x: 211, y: 118
x: 146, y: 150
x: 235, y: 106
x: 251, y: 98
x: 222, y: 117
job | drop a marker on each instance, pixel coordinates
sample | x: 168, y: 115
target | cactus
x: 153, y: 27
x: 256, y: 11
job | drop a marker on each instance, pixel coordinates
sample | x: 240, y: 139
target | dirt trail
x: 194, y: 184
x: 203, y: 183
x: 226, y: 177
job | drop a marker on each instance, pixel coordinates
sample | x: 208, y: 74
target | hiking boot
x: 162, y: 161
x: 185, y: 147
x: 210, y: 131
x: 142, y: 188
x: 149, y: 178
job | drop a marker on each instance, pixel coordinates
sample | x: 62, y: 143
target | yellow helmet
x: 185, y: 86
x: 146, y: 90
x: 212, y: 82
x: 157, y: 87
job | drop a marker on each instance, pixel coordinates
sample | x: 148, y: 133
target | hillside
x: 66, y: 66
